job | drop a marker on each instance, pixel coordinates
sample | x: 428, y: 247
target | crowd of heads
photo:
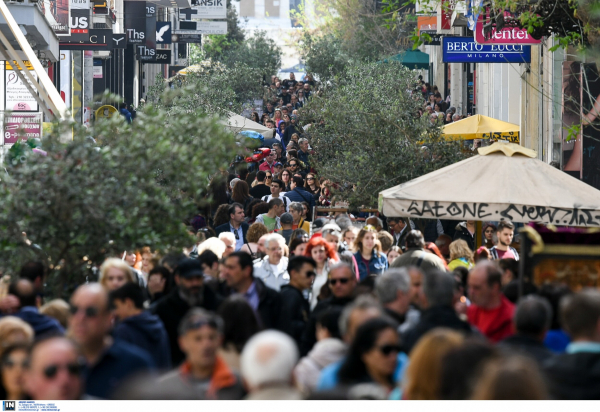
x: 438, y: 109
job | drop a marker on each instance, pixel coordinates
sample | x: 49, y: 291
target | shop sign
x: 465, y: 50
x: 508, y: 35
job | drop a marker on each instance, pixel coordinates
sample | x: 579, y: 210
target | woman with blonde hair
x: 511, y: 378
x: 14, y: 331
x: 422, y: 379
x: 114, y: 273
x: 57, y: 309
x: 460, y: 255
x: 369, y: 257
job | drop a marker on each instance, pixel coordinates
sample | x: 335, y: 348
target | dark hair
x: 278, y: 182
x: 131, y: 291
x: 298, y: 181
x: 221, y: 215
x: 244, y: 260
x: 330, y: 320
x: 533, y: 316
x: 258, y: 209
x: 24, y: 292
x: 250, y: 208
x: 296, y: 263
x: 509, y: 264
x: 353, y: 370
x: 240, y: 322
x: 505, y: 224
x: 261, y: 175
x: 460, y: 368
x: 234, y: 206
x: 208, y: 257
x: 159, y: 270
x: 275, y: 202
x: 308, y: 211
x: 217, y: 192
x: 5, y: 353
x: 296, y: 240
x: 554, y: 292
x: 32, y: 270
x: 415, y: 240
x: 580, y: 312
x: 240, y: 192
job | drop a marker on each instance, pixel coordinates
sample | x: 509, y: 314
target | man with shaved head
x: 54, y: 371
x: 109, y: 363
x: 24, y: 291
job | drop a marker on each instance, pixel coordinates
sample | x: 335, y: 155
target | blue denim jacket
x: 377, y: 265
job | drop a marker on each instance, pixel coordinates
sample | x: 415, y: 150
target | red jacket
x: 496, y: 324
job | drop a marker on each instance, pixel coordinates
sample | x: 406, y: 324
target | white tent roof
x: 504, y: 181
x: 239, y: 123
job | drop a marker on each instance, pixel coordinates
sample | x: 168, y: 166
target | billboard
x: 135, y: 22
x: 57, y: 12
x: 205, y: 9
x: 465, y: 50
x: 507, y: 35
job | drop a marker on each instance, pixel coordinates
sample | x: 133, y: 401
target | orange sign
x: 427, y: 23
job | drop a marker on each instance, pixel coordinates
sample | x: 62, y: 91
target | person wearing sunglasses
x: 54, y: 371
x: 109, y: 362
x: 373, y: 355
x: 12, y: 366
x: 267, y: 165
x: 200, y: 337
x: 302, y: 274
x: 261, y: 189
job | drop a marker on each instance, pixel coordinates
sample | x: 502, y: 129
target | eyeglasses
x: 89, y: 312
x: 237, y: 237
x: 342, y: 281
x: 293, y: 165
x: 51, y: 371
x: 388, y: 349
x: 9, y: 364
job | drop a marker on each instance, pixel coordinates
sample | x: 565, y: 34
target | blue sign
x: 465, y: 50
x: 163, y: 32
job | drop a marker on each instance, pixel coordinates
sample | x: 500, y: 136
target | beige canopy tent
x: 505, y: 181
x: 239, y: 123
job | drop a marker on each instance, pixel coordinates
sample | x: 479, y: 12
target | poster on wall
x: 590, y: 131
x: 57, y: 13
x: 16, y: 95
x: 16, y: 126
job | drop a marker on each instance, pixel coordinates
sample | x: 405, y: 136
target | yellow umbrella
x: 481, y: 127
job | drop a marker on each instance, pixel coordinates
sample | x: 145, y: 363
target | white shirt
x: 286, y: 201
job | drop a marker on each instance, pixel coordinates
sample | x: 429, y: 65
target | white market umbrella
x: 238, y: 123
x: 505, y: 181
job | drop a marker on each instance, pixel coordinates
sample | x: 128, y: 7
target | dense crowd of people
x: 278, y: 300
x: 435, y: 106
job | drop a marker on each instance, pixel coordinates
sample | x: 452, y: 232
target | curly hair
x: 460, y: 249
x: 255, y: 232
x: 221, y: 215
x: 259, y: 209
x: 319, y: 241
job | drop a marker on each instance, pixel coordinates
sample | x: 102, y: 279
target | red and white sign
x: 504, y: 36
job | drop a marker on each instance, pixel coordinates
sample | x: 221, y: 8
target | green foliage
x: 366, y: 132
x: 83, y: 202
x: 323, y: 55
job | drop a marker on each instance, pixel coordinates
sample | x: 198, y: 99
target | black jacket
x: 171, y: 309
x: 435, y: 317
x: 146, y: 331
x: 463, y: 233
x: 297, y: 309
x: 226, y: 228
x: 527, y: 346
x: 309, y: 337
x: 574, y: 376
x: 270, y: 308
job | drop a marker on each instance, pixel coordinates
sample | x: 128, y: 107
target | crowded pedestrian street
x: 298, y: 201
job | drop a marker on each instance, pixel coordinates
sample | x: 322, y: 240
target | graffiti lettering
x: 517, y: 213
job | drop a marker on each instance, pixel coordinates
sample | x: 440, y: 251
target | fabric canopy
x: 239, y: 123
x: 505, y: 181
x: 481, y: 127
x: 413, y: 59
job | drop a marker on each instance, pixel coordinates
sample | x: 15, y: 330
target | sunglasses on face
x: 388, y: 349
x: 342, y: 281
x: 269, y: 177
x: 9, y: 364
x: 51, y: 371
x: 311, y: 274
x: 310, y: 178
x: 89, y: 312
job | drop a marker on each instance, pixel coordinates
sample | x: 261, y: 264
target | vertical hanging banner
x: 147, y: 51
x: 57, y: 12
x: 135, y: 22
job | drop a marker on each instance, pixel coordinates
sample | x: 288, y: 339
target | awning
x: 413, y: 59
x: 239, y: 123
x: 481, y: 127
x: 505, y: 181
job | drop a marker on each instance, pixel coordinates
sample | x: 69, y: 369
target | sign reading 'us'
x: 466, y: 50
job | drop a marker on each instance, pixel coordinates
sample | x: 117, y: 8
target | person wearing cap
x: 318, y: 225
x: 287, y: 227
x: 189, y: 293
x: 200, y: 335
x: 277, y: 168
